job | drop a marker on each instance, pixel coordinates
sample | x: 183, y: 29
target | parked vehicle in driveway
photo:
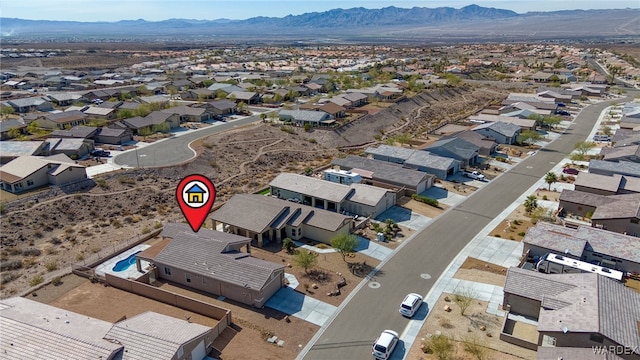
x: 100, y: 153
x: 476, y: 175
x: 410, y: 304
x: 570, y: 171
x: 384, y: 344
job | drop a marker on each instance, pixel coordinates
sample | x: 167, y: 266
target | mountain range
x: 416, y: 24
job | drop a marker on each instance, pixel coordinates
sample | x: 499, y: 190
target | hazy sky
x: 153, y: 10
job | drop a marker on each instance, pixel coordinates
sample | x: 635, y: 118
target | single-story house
x: 602, y: 167
x: 625, y: 137
x: 221, y: 107
x: 387, y: 175
x: 199, y: 94
x: 467, y: 153
x: 74, y: 148
x: 440, y: 166
x: 621, y: 153
x: 11, y: 150
x: 501, y: 132
x: 64, y: 98
x: 32, y: 328
x: 574, y: 310
x: 267, y: 219
x: 214, y: 262
x: 78, y: 132
x: 101, y: 113
x: 303, y: 117
x: 247, y: 97
x: 30, y: 172
x: 192, y: 114
x: 525, y: 124
x: 155, y: 119
x: 358, y: 199
x: 487, y: 145
x: 35, y: 103
x: 7, y: 125
x: 617, y: 213
x: 585, y: 243
x: 334, y: 110
x: 605, y: 184
x: 114, y: 136
x: 60, y: 120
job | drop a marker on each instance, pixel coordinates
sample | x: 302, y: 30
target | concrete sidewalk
x: 289, y: 301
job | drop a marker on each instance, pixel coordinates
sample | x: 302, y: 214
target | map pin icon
x: 196, y: 195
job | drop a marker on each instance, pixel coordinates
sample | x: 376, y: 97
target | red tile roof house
x: 213, y: 262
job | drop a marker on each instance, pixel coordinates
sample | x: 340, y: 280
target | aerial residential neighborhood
x: 493, y: 187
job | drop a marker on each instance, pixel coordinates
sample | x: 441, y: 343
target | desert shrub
x: 544, y: 197
x: 521, y: 233
x: 439, y: 345
x: 101, y: 182
x: 498, y: 235
x: 56, y: 281
x: 29, y: 262
x: 307, y: 127
x: 322, y: 246
x: 146, y: 230
x: 69, y: 230
x: 288, y: 245
x: 8, y: 276
x: 10, y: 265
x: 472, y: 346
x: 55, y: 240
x: 426, y: 200
x: 79, y: 257
x: 38, y: 234
x: 31, y: 252
x: 445, y: 323
x: 516, y: 222
x: 589, y: 214
x: 36, y: 280
x: 157, y: 225
x: 125, y: 180
x: 51, y: 266
x: 287, y: 129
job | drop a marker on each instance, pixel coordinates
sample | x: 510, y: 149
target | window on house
x: 635, y: 220
x: 204, y: 280
x: 299, y: 231
x: 187, y: 277
x: 29, y: 182
x: 167, y: 270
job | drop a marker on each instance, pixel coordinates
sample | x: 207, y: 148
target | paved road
x: 372, y: 309
x: 175, y: 150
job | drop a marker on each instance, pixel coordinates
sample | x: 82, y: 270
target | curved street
x: 360, y: 319
x: 175, y: 150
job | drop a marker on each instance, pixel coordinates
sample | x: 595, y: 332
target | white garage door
x: 199, y: 352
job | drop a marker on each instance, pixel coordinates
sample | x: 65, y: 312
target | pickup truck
x: 476, y: 175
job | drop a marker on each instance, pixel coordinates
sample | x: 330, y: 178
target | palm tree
x: 550, y: 178
x: 530, y: 203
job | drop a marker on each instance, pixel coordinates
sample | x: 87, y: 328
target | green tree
x: 529, y: 137
x: 583, y: 147
x: 344, y: 244
x: 125, y: 114
x: 530, y: 203
x: 162, y: 127
x: 144, y: 132
x: 550, y: 178
x: 6, y: 110
x: 306, y: 259
x: 14, y: 133
x: 439, y: 345
x: 288, y: 245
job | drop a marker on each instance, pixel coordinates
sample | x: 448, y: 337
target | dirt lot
x: 467, y: 328
x: 481, y: 271
x: 516, y: 224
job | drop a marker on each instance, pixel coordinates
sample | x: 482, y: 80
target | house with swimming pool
x: 214, y: 262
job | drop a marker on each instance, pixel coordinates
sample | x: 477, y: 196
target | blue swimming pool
x: 124, y: 264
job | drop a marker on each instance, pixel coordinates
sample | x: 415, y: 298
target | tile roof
x: 534, y: 285
x: 32, y: 330
x: 312, y: 186
x: 597, y: 181
x: 305, y: 115
x: 367, y: 194
x: 383, y: 170
x: 459, y: 147
x: 211, y: 253
x: 75, y: 132
x: 503, y: 128
x: 622, y: 207
x: 558, y: 239
x: 390, y: 151
x: 159, y: 341
x: 426, y: 159
x: 257, y: 213
x: 621, y: 167
x: 185, y: 110
x: 20, y: 148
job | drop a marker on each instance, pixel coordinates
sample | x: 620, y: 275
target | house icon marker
x: 195, y: 194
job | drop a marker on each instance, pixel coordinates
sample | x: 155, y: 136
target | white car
x: 410, y: 304
x: 384, y: 345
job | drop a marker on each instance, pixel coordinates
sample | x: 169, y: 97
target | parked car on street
x: 384, y: 344
x: 410, y: 304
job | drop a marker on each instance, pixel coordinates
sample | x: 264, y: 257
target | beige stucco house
x: 30, y: 172
x: 214, y: 262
